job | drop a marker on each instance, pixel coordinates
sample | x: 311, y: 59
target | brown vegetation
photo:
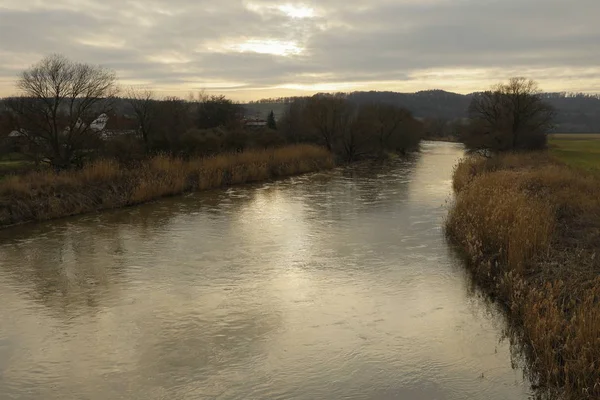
x: 531, y: 229
x: 106, y: 184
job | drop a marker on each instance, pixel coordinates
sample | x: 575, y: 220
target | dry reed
x: 531, y: 229
x: 105, y: 184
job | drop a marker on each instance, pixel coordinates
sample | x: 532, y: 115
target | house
x: 104, y: 126
x: 99, y: 123
x: 16, y: 134
x: 115, y: 125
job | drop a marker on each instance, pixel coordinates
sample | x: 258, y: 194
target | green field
x: 579, y: 150
x: 14, y: 163
x: 15, y: 167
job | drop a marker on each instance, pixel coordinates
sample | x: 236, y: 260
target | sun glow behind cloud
x: 268, y: 46
x: 297, y: 11
x: 320, y: 87
x: 294, y: 11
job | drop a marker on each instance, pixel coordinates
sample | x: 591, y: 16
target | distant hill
x: 424, y: 104
x: 576, y: 113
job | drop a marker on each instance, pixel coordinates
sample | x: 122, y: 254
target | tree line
x: 55, y: 120
x: 350, y: 131
x: 575, y: 112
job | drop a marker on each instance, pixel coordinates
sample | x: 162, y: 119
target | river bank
x: 530, y: 228
x: 105, y: 184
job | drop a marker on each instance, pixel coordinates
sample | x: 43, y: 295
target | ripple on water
x: 330, y: 285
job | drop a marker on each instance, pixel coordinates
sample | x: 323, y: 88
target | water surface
x: 327, y: 286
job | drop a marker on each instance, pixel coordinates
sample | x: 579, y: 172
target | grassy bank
x: 105, y: 184
x: 579, y: 150
x: 530, y: 226
x: 12, y: 164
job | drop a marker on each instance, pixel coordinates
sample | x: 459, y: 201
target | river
x: 334, y: 285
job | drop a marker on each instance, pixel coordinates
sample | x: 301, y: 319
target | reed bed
x: 530, y: 227
x: 107, y: 184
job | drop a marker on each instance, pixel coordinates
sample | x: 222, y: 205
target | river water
x: 335, y: 285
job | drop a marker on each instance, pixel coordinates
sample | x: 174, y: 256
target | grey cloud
x: 364, y: 41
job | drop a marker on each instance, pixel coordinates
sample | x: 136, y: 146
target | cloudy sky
x: 250, y: 49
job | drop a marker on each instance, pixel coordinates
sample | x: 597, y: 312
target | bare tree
x: 59, y: 100
x: 511, y: 116
x: 436, y: 128
x: 144, y: 106
x: 349, y: 130
x: 387, y: 123
x: 330, y: 116
x: 356, y: 141
x: 294, y: 125
x: 174, y: 117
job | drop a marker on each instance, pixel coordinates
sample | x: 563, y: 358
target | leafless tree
x: 349, y: 130
x: 174, y: 116
x: 436, y: 128
x: 217, y: 110
x: 387, y: 123
x: 144, y: 107
x: 294, y: 125
x: 511, y: 116
x: 330, y: 117
x: 59, y: 100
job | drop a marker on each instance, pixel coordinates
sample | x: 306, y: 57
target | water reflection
x: 331, y: 285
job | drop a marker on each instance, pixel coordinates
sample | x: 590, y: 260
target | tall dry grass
x: 531, y: 229
x: 106, y: 184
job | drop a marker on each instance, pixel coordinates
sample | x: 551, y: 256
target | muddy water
x: 326, y: 286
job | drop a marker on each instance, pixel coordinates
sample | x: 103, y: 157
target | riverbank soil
x: 530, y: 227
x: 106, y: 184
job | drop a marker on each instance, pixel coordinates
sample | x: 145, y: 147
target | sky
x: 251, y: 49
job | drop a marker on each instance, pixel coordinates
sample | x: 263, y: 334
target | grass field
x: 579, y: 150
x: 14, y: 163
